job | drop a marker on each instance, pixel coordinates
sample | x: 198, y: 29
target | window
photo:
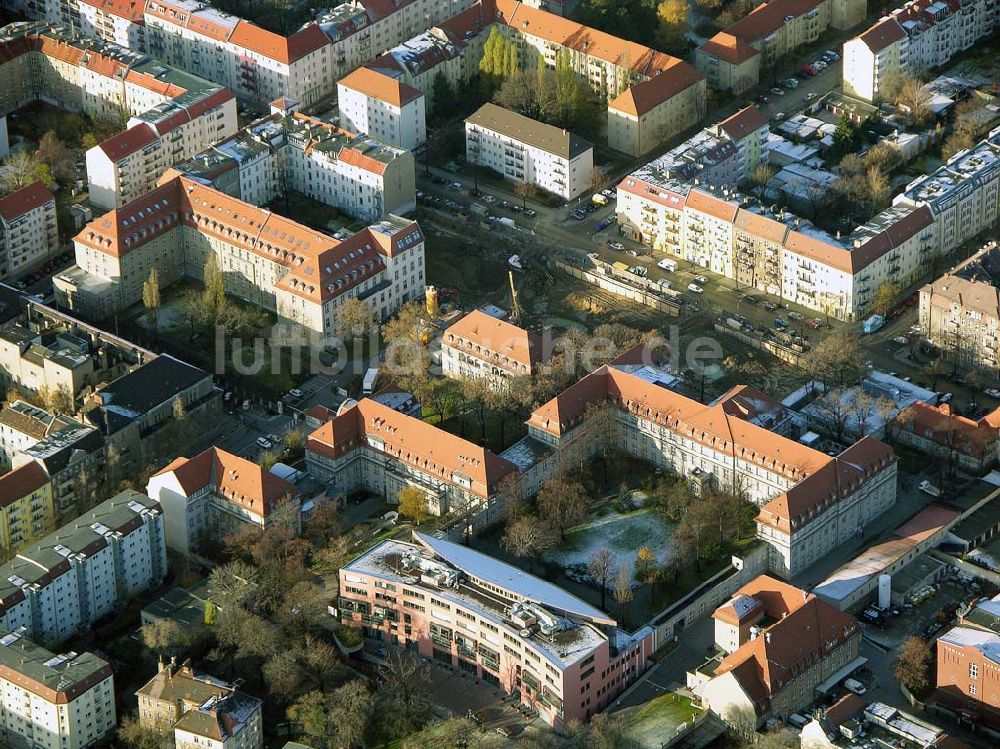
x: 973, y: 671
x: 972, y: 688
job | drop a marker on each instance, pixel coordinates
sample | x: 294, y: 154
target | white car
x: 264, y: 442
x: 295, y: 393
x: 666, y: 264
x: 695, y: 288
x: 700, y: 280
x: 852, y: 685
x: 811, y: 95
x: 992, y: 392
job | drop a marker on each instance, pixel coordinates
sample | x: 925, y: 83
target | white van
x: 368, y: 384
x: 668, y: 265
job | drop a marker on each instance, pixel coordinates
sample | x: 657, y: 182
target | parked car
x: 791, y: 83
x: 818, y: 65
x: 608, y: 194
x: 579, y: 214
x: 900, y: 339
x: 749, y: 299
x: 815, y: 323
x: 928, y: 488
x: 808, y: 70
x: 853, y: 685
x: 695, y: 288
x: 780, y: 323
x: 617, y: 246
x: 700, y: 280
x: 490, y: 198
x: 801, y: 76
x: 769, y: 305
x: 762, y: 99
x: 992, y: 392
x: 589, y: 207
x: 946, y: 398
x: 831, y: 55
x: 811, y: 95
x: 778, y: 91
x: 295, y: 393
x: 639, y: 271
x: 602, y: 225
x: 796, y: 316
x: 264, y: 442
x: 274, y: 438
x: 530, y: 212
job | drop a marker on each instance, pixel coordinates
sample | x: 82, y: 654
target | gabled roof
x: 806, y: 630
x: 128, y: 141
x: 21, y: 482
x: 498, y: 337
x: 15, y: 204
x: 744, y: 122
x: 236, y: 479
x: 767, y: 18
x: 285, y: 50
x: 728, y: 48
x: 885, y: 32
x: 130, y: 10
x: 645, y: 96
x: 413, y: 442
x: 378, y: 86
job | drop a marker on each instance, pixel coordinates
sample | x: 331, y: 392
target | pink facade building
x: 447, y: 602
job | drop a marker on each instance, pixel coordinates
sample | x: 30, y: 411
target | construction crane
x: 516, y: 313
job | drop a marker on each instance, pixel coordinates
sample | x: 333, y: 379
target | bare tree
x: 599, y: 567
x: 562, y: 503
x: 623, y: 594
x: 528, y: 538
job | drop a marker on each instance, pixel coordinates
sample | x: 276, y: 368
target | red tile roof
x: 131, y: 10
x: 376, y: 85
x: 237, y: 479
x: 767, y: 18
x: 128, y: 142
x: 645, y: 96
x: 885, y: 32
x: 27, y: 198
x: 413, y: 442
x: 748, y: 120
x: 285, y: 50
x: 485, y: 337
x: 728, y: 48
x: 21, y: 482
x: 939, y: 424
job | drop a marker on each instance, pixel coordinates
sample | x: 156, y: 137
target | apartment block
x: 481, y: 346
x: 361, y: 175
x: 528, y: 151
x: 968, y: 665
x: 360, y: 30
x: 299, y: 273
x: 566, y: 659
x: 29, y: 233
x: 125, y: 166
x: 215, y: 493
x: 255, y: 64
x: 200, y: 710
x: 385, y: 107
x: 921, y: 35
x: 27, y: 507
x: 733, y: 59
x: 960, y: 311
x: 85, y: 570
x: 372, y: 446
x: 49, y: 701
x: 743, y: 442
x: 778, y: 644
x: 171, y: 114
x: 120, y: 22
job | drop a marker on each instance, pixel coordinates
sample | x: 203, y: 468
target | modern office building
x: 733, y: 58
x: 566, y: 659
x: 921, y: 35
x: 300, y: 273
x: 214, y: 494
x: 200, y: 710
x: 376, y: 104
x: 29, y: 232
x: 526, y: 151
x: 50, y: 701
x: 778, y: 644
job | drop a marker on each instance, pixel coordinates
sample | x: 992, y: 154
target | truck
x: 598, y: 199
x: 368, y: 383
x: 928, y: 488
x: 872, y: 324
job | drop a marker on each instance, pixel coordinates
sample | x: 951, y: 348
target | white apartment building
x: 125, y: 166
x: 118, y: 21
x: 299, y: 273
x: 480, y: 346
x: 49, y: 701
x: 374, y: 447
x: 742, y: 443
x: 358, y: 174
x: 215, y: 493
x: 528, y: 151
x: 923, y: 34
x: 29, y: 233
x: 85, y: 570
x: 717, y: 227
x: 201, y: 710
x: 373, y: 103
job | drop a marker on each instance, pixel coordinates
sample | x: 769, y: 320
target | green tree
x: 885, y: 296
x: 312, y: 713
x: 151, y: 293
x: 674, y: 24
x: 444, y: 98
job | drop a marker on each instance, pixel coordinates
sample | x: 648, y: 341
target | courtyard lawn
x: 622, y: 533
x: 657, y: 721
